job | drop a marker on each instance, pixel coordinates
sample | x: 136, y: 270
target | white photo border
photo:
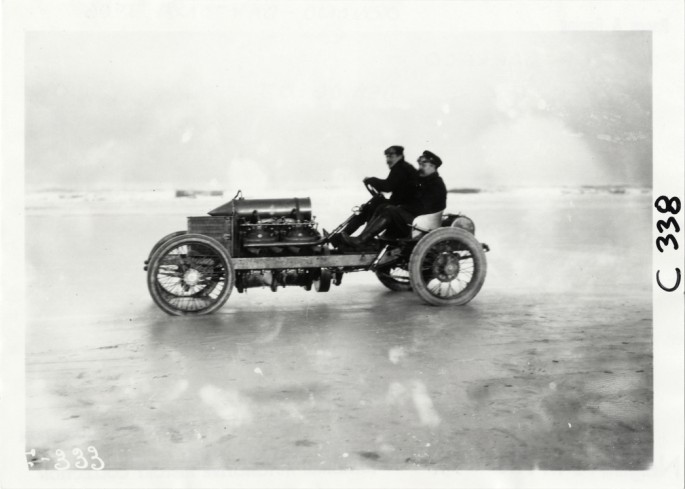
x: 664, y: 19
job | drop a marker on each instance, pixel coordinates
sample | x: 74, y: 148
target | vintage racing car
x: 275, y: 243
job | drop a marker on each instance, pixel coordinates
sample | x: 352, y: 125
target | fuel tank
x: 296, y: 208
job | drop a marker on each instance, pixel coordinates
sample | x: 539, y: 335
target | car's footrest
x: 395, y: 240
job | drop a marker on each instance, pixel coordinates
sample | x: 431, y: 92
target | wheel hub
x: 446, y: 267
x: 191, y: 277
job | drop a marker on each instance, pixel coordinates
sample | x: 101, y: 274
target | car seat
x: 425, y: 223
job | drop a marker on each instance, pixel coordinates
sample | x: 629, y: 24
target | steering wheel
x: 371, y: 190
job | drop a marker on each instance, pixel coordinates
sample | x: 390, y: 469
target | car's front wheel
x: 190, y: 274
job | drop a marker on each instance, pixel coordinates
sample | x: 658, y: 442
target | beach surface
x: 549, y: 367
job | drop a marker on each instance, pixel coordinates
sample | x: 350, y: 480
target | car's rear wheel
x: 190, y: 274
x: 447, y: 267
x: 394, y: 278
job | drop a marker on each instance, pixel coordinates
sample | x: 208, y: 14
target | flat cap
x: 394, y: 150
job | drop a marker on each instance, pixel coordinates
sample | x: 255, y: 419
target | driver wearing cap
x: 430, y: 197
x: 401, y: 181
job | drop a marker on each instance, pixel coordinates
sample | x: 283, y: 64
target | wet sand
x: 550, y: 367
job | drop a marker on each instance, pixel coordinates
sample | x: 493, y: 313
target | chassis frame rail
x: 363, y: 260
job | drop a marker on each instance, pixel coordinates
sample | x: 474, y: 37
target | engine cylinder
x: 296, y: 208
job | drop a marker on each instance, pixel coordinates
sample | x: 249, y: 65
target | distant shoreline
x: 611, y: 189
x: 65, y: 196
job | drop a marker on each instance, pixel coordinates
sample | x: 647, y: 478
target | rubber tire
x: 393, y: 284
x: 419, y: 254
x: 309, y: 281
x: 164, y: 240
x: 170, y: 245
x: 323, y: 281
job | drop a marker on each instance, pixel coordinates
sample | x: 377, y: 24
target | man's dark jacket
x: 431, y: 196
x: 401, y: 181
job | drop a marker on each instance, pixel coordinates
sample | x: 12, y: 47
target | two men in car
x: 414, y: 193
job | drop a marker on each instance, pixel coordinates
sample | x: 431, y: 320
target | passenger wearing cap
x: 401, y: 181
x: 430, y: 197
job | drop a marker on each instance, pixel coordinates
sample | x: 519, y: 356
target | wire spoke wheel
x: 447, y: 266
x: 190, y: 274
x: 164, y: 240
x: 395, y: 278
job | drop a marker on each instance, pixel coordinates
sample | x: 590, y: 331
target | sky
x: 262, y: 109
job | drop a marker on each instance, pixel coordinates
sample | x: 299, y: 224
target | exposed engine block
x: 272, y: 227
x: 284, y: 236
